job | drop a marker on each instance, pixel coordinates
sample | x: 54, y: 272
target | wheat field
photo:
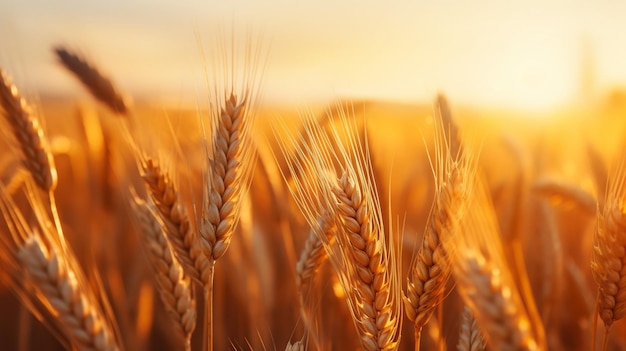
x: 355, y: 225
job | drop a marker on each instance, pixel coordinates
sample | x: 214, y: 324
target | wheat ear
x: 470, y: 337
x: 369, y: 273
x: 35, y: 149
x: 184, y: 239
x: 498, y: 314
x: 226, y: 181
x: 374, y: 313
x: 557, y: 188
x: 608, y: 262
x: 173, y: 285
x: 307, y: 189
x: 231, y: 157
x: 53, y: 283
x: 27, y: 129
x: 229, y: 176
x: 485, y: 282
x: 312, y: 257
x: 429, y: 270
x: 310, y: 260
x: 100, y: 86
x: 362, y: 256
x: 296, y: 346
x: 56, y: 283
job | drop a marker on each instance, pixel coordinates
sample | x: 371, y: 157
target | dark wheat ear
x: 100, y: 86
x: 26, y: 128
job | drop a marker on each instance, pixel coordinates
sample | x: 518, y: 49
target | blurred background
x: 532, y: 55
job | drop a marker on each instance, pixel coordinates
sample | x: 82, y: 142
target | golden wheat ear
x: 485, y: 281
x: 312, y: 257
x: 26, y: 128
x: 173, y: 285
x: 300, y: 150
x: 100, y: 86
x: 470, y: 336
x: 573, y: 193
x: 174, y: 215
x: 362, y: 254
x: 609, y: 249
x: 229, y: 175
x: 453, y: 169
x: 53, y: 281
x: 230, y: 154
x: 296, y: 346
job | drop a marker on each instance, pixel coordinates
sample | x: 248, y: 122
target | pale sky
x: 480, y: 52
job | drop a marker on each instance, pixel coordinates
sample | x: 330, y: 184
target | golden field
x: 545, y: 183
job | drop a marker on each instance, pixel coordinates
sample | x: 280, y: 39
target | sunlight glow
x: 529, y: 55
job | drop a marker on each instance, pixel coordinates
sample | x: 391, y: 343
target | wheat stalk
x: 599, y: 172
x: 173, y: 285
x: 100, y: 86
x: 470, y: 337
x: 27, y: 129
x: 227, y: 181
x: 231, y: 156
x: 553, y: 258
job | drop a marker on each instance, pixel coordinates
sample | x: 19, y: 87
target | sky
x: 493, y: 53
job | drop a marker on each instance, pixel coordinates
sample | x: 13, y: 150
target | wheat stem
x: 417, y: 336
x: 207, y: 340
